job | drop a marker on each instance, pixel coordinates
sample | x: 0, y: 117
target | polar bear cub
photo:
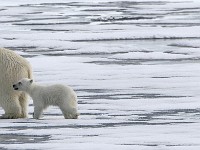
x: 43, y: 96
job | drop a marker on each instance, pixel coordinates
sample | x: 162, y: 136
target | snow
x: 133, y: 64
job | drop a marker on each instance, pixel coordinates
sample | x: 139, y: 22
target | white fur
x: 12, y: 68
x: 43, y: 96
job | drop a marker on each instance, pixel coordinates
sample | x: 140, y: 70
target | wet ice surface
x: 134, y: 65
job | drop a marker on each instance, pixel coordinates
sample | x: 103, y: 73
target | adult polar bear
x: 13, y: 67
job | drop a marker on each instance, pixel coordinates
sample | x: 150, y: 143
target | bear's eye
x: 20, y: 83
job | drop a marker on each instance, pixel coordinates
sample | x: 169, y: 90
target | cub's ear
x: 31, y: 81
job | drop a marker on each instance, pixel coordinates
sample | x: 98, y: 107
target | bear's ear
x: 31, y: 81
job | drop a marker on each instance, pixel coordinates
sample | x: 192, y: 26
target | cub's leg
x: 37, y: 112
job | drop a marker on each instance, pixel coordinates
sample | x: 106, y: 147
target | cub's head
x: 23, y: 84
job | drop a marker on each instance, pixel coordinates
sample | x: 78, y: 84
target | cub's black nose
x: 15, y: 88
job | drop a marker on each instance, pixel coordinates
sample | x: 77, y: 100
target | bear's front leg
x: 23, y: 99
x: 37, y: 112
x: 12, y: 109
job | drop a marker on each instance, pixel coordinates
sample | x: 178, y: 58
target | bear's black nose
x: 14, y: 86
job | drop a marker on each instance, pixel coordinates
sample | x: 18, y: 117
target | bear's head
x: 23, y: 84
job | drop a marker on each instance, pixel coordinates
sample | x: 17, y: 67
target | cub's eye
x: 20, y: 83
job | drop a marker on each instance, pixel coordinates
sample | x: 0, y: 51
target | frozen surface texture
x: 135, y: 65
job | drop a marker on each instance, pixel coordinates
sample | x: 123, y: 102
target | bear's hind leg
x: 12, y: 109
x: 23, y: 99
